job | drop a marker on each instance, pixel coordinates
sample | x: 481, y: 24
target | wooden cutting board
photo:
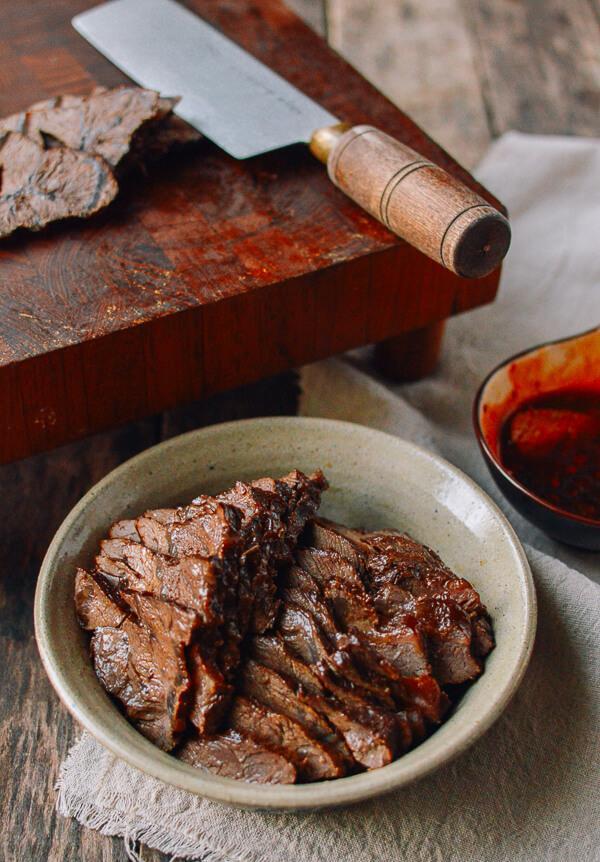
x: 208, y: 273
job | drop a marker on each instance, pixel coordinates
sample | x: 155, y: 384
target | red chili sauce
x: 551, y: 444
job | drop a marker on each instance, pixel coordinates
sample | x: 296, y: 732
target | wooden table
x: 507, y: 64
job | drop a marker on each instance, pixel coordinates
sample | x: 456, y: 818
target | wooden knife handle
x: 414, y: 198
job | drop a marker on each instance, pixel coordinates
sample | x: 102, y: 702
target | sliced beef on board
x: 39, y: 186
x: 370, y: 733
x: 107, y: 122
x: 313, y: 760
x: 58, y: 158
x: 139, y: 656
x: 232, y: 755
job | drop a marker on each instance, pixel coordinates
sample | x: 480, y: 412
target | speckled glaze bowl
x: 376, y: 481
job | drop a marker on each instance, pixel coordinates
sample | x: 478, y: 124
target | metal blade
x: 227, y: 94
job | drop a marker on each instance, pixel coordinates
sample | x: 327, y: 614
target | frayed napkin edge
x: 111, y: 823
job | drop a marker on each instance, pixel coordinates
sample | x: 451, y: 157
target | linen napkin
x: 530, y: 789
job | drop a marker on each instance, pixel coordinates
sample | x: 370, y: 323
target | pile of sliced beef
x: 64, y: 157
x: 253, y: 639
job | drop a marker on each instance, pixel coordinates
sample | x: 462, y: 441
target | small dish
x: 554, y: 366
x: 376, y: 481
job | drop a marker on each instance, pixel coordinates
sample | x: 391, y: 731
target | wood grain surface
x: 506, y: 64
x: 208, y: 272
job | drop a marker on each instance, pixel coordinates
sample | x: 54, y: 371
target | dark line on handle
x: 417, y: 167
x: 347, y: 144
x: 390, y: 181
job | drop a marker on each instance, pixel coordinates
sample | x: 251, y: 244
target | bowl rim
x: 341, y: 791
x: 483, y: 444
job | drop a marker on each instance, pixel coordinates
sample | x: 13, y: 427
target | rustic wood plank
x: 539, y: 64
x: 420, y: 53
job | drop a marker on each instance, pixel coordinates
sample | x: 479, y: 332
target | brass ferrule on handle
x: 414, y: 198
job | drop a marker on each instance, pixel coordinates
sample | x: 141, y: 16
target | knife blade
x: 247, y: 109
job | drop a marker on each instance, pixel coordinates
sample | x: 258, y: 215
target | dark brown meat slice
x: 396, y: 565
x: 267, y: 687
x: 210, y: 694
x: 327, y: 536
x: 302, y: 495
x: 232, y: 755
x: 39, y: 186
x: 400, y: 642
x: 301, y: 632
x: 370, y: 733
x: 338, y: 672
x: 142, y: 664
x: 192, y: 582
x: 102, y: 123
x: 206, y: 529
x: 274, y: 512
x: 449, y: 633
x: 95, y: 604
x: 447, y: 608
x: 342, y: 586
x: 125, y: 529
x: 329, y: 565
x: 358, y: 658
x: 313, y: 760
x: 422, y: 571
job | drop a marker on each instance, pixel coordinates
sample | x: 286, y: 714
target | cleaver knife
x: 247, y: 109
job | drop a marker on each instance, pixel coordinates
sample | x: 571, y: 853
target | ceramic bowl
x: 569, y: 362
x: 376, y: 481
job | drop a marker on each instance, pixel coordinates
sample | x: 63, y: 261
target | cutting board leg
x: 412, y: 355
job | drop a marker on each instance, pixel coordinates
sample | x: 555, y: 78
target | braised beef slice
x: 274, y: 513
x: 423, y: 566
x: 447, y: 608
x: 400, y: 642
x: 370, y: 733
x: 325, y: 535
x: 95, y: 602
x: 125, y: 529
x: 312, y: 759
x: 358, y: 656
x: 210, y: 694
x: 232, y: 755
x: 39, y: 186
x: 192, y: 582
x: 302, y: 634
x: 415, y: 592
x: 102, y: 123
x: 267, y: 687
x: 142, y: 663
